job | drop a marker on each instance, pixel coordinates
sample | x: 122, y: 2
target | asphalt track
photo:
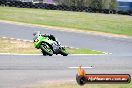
x: 23, y: 70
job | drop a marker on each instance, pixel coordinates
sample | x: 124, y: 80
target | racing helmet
x: 35, y: 33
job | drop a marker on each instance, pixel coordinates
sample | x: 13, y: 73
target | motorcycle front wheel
x: 46, y: 49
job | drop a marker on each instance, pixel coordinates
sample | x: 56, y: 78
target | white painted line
x: 81, y: 67
x: 57, y: 55
x: 19, y: 54
x: 109, y: 53
x: 87, y: 54
x: 27, y: 40
x: 19, y: 40
x: 12, y: 38
x: 70, y: 47
x: 105, y: 53
x: 4, y: 37
x: 30, y: 41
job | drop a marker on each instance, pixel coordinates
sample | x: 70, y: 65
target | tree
x: 96, y: 4
x: 113, y: 4
x: 104, y: 4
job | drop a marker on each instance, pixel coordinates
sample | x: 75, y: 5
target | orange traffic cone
x: 81, y: 71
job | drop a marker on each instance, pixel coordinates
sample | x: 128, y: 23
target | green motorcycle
x: 48, y: 46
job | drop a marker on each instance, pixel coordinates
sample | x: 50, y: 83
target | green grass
x: 117, y: 24
x: 83, y: 51
x: 75, y: 85
x: 15, y: 46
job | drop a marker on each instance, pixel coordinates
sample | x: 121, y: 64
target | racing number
x: 36, y: 40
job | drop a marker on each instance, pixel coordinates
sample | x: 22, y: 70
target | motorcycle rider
x: 45, y: 35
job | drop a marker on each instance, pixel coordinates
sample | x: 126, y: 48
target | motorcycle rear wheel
x: 63, y: 51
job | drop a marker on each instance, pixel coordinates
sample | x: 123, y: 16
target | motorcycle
x: 48, y: 46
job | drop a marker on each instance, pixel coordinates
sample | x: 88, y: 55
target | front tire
x: 46, y: 49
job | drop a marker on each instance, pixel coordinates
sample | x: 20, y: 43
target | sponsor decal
x: 83, y: 78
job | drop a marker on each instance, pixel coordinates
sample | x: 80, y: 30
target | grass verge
x: 22, y: 47
x: 109, y: 23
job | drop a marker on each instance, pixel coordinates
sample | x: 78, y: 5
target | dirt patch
x: 17, y: 46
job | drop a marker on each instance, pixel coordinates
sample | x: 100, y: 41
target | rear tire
x: 44, y: 54
x: 63, y: 51
x: 46, y: 49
